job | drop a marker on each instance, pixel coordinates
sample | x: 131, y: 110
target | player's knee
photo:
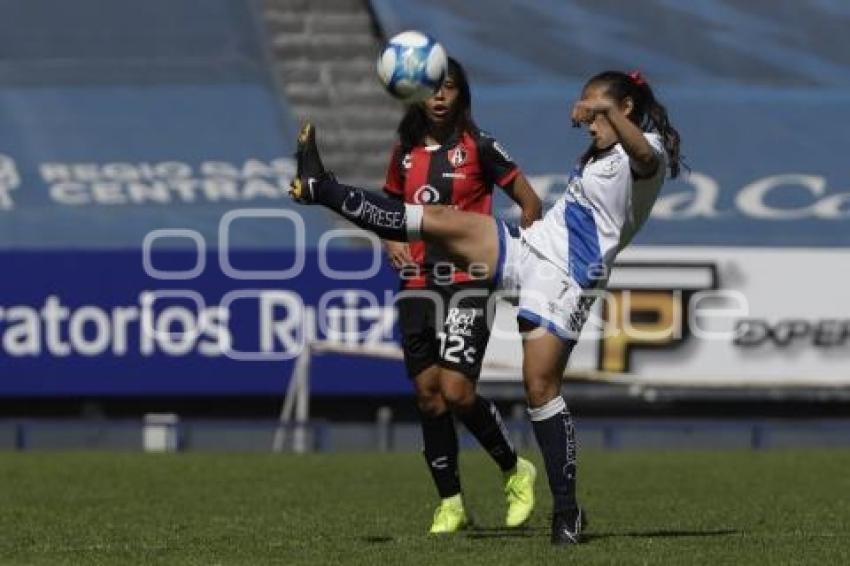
x: 430, y: 403
x: 458, y: 397
x: 540, y: 388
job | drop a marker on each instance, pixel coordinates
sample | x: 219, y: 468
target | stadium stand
x: 117, y: 119
x: 325, y: 54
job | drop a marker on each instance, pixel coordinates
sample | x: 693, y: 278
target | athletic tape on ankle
x: 413, y: 215
x: 548, y: 410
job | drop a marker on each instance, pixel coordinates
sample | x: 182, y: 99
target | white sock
x: 548, y: 410
x: 414, y: 214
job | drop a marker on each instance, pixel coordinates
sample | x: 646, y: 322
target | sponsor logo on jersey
x: 460, y: 322
x: 611, y: 165
x: 426, y: 194
x: 457, y: 156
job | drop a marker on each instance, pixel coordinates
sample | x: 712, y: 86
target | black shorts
x: 435, y: 330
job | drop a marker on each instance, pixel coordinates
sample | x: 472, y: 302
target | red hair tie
x: 637, y: 78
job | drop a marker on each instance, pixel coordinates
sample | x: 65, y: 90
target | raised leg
x: 469, y: 238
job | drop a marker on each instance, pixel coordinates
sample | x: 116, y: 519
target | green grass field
x: 646, y: 508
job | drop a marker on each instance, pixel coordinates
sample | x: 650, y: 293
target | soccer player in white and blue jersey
x: 557, y: 263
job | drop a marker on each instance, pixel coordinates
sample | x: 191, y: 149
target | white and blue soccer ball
x: 412, y: 66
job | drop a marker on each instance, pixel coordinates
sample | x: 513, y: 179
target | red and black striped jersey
x: 461, y: 172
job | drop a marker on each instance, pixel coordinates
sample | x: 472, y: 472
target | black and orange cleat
x: 309, y: 168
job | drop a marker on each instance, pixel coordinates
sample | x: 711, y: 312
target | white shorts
x: 546, y: 294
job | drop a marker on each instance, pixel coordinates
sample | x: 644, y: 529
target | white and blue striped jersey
x: 600, y: 212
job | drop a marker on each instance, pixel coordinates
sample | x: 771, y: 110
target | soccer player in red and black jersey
x: 443, y: 158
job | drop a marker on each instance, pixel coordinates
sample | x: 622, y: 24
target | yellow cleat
x: 519, y: 492
x: 450, y: 516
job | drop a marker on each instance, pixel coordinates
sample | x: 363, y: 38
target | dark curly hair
x: 414, y: 124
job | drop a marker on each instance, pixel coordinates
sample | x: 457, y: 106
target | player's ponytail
x: 658, y: 120
x: 648, y: 113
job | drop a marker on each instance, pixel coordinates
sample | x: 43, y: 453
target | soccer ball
x: 412, y: 66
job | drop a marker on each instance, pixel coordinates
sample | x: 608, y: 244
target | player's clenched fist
x: 585, y: 111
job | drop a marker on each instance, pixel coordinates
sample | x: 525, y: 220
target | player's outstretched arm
x: 521, y: 192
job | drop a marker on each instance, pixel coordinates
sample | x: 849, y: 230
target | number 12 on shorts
x: 452, y: 346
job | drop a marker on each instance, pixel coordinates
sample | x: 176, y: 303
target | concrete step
x: 368, y: 84
x: 352, y: 6
x: 329, y: 39
x: 364, y: 120
x: 278, y: 22
x: 338, y: 23
x: 325, y: 53
x: 365, y: 164
x: 376, y: 139
x: 307, y: 93
x: 347, y: 167
x: 349, y: 117
x: 366, y: 93
x: 323, y: 47
x: 318, y: 94
x: 322, y: 116
x: 299, y: 71
x: 387, y: 111
x: 345, y: 24
x: 352, y: 71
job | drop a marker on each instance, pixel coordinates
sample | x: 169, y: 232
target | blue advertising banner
x: 113, y: 323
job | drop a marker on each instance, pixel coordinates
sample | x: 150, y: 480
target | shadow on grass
x: 503, y: 532
x: 492, y: 533
x: 377, y: 539
x: 663, y: 533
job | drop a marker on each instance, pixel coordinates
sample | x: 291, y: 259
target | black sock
x: 439, y: 439
x: 553, y: 428
x: 390, y: 219
x: 485, y: 423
